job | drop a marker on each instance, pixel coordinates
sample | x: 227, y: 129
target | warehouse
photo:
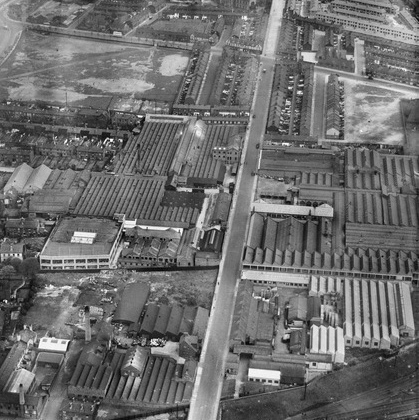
x: 355, y: 262
x: 328, y: 340
x: 80, y: 243
x: 132, y: 302
x: 26, y: 180
x: 109, y: 195
x: 377, y: 314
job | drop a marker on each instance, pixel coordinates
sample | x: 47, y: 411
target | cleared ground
x: 372, y: 114
x: 54, y: 68
x: 53, y: 306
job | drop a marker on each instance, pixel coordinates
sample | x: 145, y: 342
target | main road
x: 210, y: 372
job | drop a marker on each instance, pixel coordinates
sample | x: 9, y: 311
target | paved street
x: 208, y: 386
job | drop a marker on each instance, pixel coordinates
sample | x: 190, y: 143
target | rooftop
x: 60, y: 242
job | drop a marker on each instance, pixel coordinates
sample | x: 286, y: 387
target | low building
x: 11, y: 250
x: 16, y: 228
x: 80, y: 243
x: 188, y: 346
x: 134, y: 361
x: 265, y: 376
x: 52, y: 344
x: 51, y: 360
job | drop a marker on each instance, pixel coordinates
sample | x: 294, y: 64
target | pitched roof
x: 133, y: 299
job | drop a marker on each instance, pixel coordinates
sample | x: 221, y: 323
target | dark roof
x: 150, y: 317
x: 313, y: 307
x: 298, y: 308
x: 183, y: 199
x: 136, y: 358
x: 188, y: 318
x: 175, y: 320
x: 133, y: 299
x: 46, y: 357
x: 11, y: 362
x: 222, y: 207
x: 162, y: 320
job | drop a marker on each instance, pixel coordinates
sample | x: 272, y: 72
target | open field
x: 51, y: 68
x: 61, y: 294
x: 372, y: 114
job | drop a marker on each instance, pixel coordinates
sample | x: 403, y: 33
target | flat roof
x: 323, y: 210
x: 60, y: 242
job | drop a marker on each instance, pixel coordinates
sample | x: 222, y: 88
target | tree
x: 7, y: 272
x: 30, y: 267
x: 16, y: 263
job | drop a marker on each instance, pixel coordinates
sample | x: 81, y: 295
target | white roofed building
x: 265, y: 376
x: 53, y: 344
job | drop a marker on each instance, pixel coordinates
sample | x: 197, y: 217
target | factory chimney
x: 21, y: 400
x: 88, y: 329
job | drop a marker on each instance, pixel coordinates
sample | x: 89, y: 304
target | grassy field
x: 53, y: 68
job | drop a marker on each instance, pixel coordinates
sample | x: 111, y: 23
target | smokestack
x: 88, y: 330
x: 21, y: 400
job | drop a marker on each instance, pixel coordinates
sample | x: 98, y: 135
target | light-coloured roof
x: 19, y: 178
x: 323, y: 210
x: 265, y: 374
x: 37, y: 179
x: 53, y: 344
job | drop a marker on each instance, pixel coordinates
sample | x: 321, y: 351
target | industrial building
x: 333, y: 108
x: 170, y: 322
x: 377, y: 314
x: 328, y: 340
x: 80, y: 243
x: 133, y: 300
x: 134, y: 376
x: 26, y: 180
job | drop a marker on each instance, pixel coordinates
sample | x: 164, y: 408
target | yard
x: 58, y: 69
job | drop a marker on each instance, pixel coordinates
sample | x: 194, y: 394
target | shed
x: 52, y: 344
x: 161, y: 322
x: 297, y: 309
x: 340, y: 346
x: 134, y: 361
x: 405, y: 310
x: 147, y: 326
x: 133, y: 299
x: 172, y: 331
x: 46, y: 359
x: 314, y: 306
x: 265, y: 376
